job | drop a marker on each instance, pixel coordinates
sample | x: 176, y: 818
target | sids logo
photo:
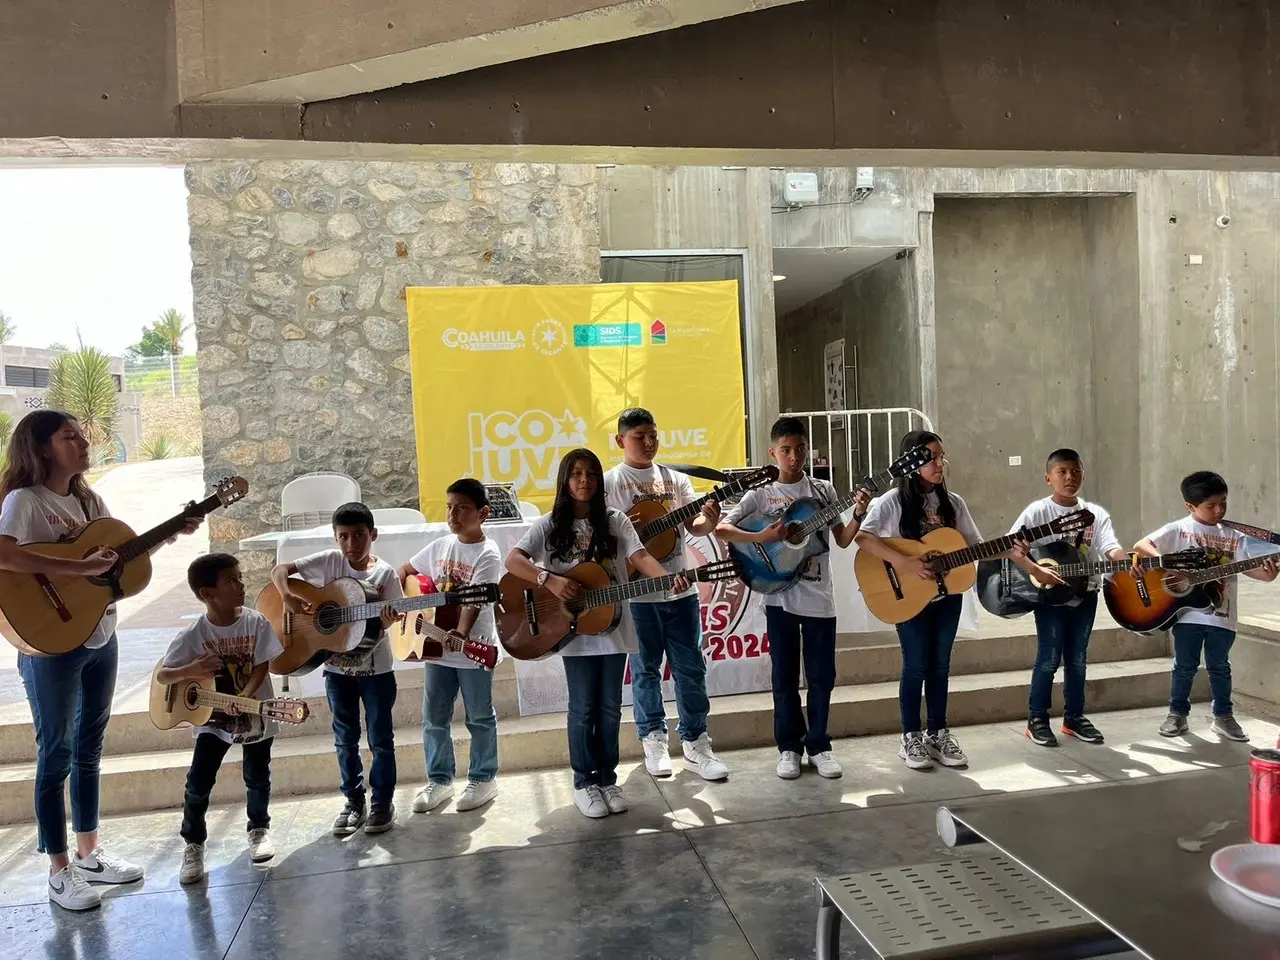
x: 657, y: 334
x: 523, y: 448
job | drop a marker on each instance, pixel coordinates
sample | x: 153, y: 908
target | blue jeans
x: 595, y: 715
x: 789, y: 637
x: 378, y: 694
x: 926, y: 640
x: 206, y: 760
x: 439, y: 691
x: 673, y: 628
x: 1063, y: 635
x: 1188, y: 639
x: 70, y: 698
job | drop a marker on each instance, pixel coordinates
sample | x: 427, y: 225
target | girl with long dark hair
x: 581, y: 527
x: 46, y: 498
x: 919, y: 504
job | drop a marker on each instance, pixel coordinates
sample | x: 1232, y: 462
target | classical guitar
x: 1008, y: 591
x: 659, y: 529
x: 1157, y: 600
x: 775, y: 566
x: 533, y: 621
x: 894, y: 598
x: 416, y: 637
x: 193, y: 702
x: 45, y: 615
x: 344, y: 617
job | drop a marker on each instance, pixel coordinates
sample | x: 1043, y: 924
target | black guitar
x: 1008, y: 591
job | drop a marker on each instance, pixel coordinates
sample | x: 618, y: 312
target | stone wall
x: 299, y: 272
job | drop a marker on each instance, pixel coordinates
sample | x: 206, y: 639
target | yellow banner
x: 507, y: 379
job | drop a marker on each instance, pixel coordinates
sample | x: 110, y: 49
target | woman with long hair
x: 919, y: 504
x: 581, y: 527
x: 46, y: 498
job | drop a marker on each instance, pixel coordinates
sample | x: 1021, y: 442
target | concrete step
x: 153, y: 779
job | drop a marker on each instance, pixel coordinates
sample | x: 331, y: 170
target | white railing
x: 857, y: 443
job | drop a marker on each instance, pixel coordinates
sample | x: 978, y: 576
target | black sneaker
x: 1226, y: 726
x: 349, y: 820
x: 1039, y: 731
x: 1081, y: 729
x: 1175, y: 725
x: 381, y: 819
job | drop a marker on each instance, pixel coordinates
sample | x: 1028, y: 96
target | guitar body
x: 776, y: 566
x: 47, y: 616
x: 416, y: 637
x: 310, y: 639
x: 1006, y: 590
x: 1165, y: 601
x: 893, y: 598
x: 533, y: 621
x: 173, y: 703
x: 664, y: 545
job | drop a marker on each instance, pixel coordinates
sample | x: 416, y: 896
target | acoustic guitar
x: 1008, y: 591
x: 191, y: 701
x: 47, y: 616
x: 776, y: 566
x: 893, y: 598
x: 659, y: 529
x: 343, y: 617
x: 416, y: 637
x: 1161, y: 597
x: 533, y: 621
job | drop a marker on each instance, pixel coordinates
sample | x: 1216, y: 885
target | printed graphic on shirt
x: 236, y: 654
x: 359, y: 662
x: 452, y: 574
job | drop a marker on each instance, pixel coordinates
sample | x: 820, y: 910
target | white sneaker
x: 476, y: 794
x: 913, y: 751
x: 614, y: 800
x: 699, y: 756
x: 431, y: 796
x: 69, y: 890
x: 193, y: 863
x: 590, y: 802
x: 826, y: 765
x: 656, y: 758
x: 789, y: 765
x: 260, y: 846
x: 102, y: 867
x: 945, y: 748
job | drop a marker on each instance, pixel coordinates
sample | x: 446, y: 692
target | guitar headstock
x: 718, y: 570
x: 230, y: 489
x: 1196, y: 558
x: 485, y: 654
x: 759, y: 478
x: 285, y: 710
x: 910, y: 462
x: 473, y: 595
x: 1072, y: 522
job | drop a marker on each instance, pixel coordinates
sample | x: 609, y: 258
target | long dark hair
x: 28, y: 463
x: 604, y: 545
x: 911, y: 491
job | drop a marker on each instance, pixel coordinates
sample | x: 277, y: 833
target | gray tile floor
x: 694, y: 870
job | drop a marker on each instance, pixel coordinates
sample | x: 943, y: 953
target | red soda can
x: 1264, y: 796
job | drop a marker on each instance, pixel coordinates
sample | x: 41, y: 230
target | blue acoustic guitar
x: 776, y: 566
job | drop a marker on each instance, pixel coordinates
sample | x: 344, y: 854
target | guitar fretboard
x: 991, y: 548
x: 144, y: 543
x: 368, y: 611
x: 1229, y: 569
x: 1106, y: 566
x: 693, y: 508
x: 602, y: 596
x: 831, y: 513
x: 210, y: 698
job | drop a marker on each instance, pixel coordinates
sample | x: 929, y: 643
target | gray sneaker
x: 1227, y: 727
x: 1175, y: 725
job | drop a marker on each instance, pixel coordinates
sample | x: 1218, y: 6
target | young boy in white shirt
x: 362, y: 677
x: 231, y: 646
x: 803, y: 617
x: 670, y: 627
x: 463, y: 558
x: 1205, y: 496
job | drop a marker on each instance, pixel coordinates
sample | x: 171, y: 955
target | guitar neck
x: 1102, y: 567
x: 1229, y: 569
x: 212, y: 698
x: 144, y: 543
x: 832, y: 512
x: 368, y: 611
x: 990, y: 548
x: 681, y: 514
x: 443, y: 637
x: 617, y: 592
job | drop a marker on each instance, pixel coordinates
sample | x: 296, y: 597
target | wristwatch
x: 542, y: 577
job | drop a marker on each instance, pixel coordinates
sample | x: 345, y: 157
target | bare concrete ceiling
x: 812, y: 271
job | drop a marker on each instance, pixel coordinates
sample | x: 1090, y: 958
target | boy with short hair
x: 1205, y: 496
x: 1063, y: 631
x: 804, y: 615
x: 231, y: 647
x: 463, y: 558
x: 665, y: 626
x: 362, y: 676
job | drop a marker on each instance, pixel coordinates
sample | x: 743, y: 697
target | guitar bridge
x: 54, y: 597
x: 531, y: 613
x: 767, y: 560
x: 894, y: 582
x: 1143, y: 593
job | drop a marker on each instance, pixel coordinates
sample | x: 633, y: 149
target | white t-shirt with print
x: 1225, y: 546
x: 243, y: 645
x: 1099, y: 538
x: 884, y: 517
x: 812, y: 594
x: 625, y: 486
x: 38, y: 515
x: 534, y: 543
x: 323, y: 568
x: 452, y: 564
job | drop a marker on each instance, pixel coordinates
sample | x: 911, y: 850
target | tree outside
x: 163, y: 338
x: 80, y: 382
x: 7, y: 328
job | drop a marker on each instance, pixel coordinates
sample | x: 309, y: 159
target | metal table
x: 1112, y: 849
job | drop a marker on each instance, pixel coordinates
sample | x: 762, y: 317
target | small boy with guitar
x: 464, y: 557
x: 233, y: 645
x: 665, y: 627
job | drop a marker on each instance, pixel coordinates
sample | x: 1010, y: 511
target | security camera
x: 1223, y: 220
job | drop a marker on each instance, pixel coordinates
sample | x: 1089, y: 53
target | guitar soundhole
x: 328, y: 618
x: 189, y: 696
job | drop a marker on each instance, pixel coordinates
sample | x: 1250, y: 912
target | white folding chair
x: 529, y: 511
x: 391, y: 516
x: 309, y: 500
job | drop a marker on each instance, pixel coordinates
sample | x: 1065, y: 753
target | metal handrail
x: 841, y: 422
